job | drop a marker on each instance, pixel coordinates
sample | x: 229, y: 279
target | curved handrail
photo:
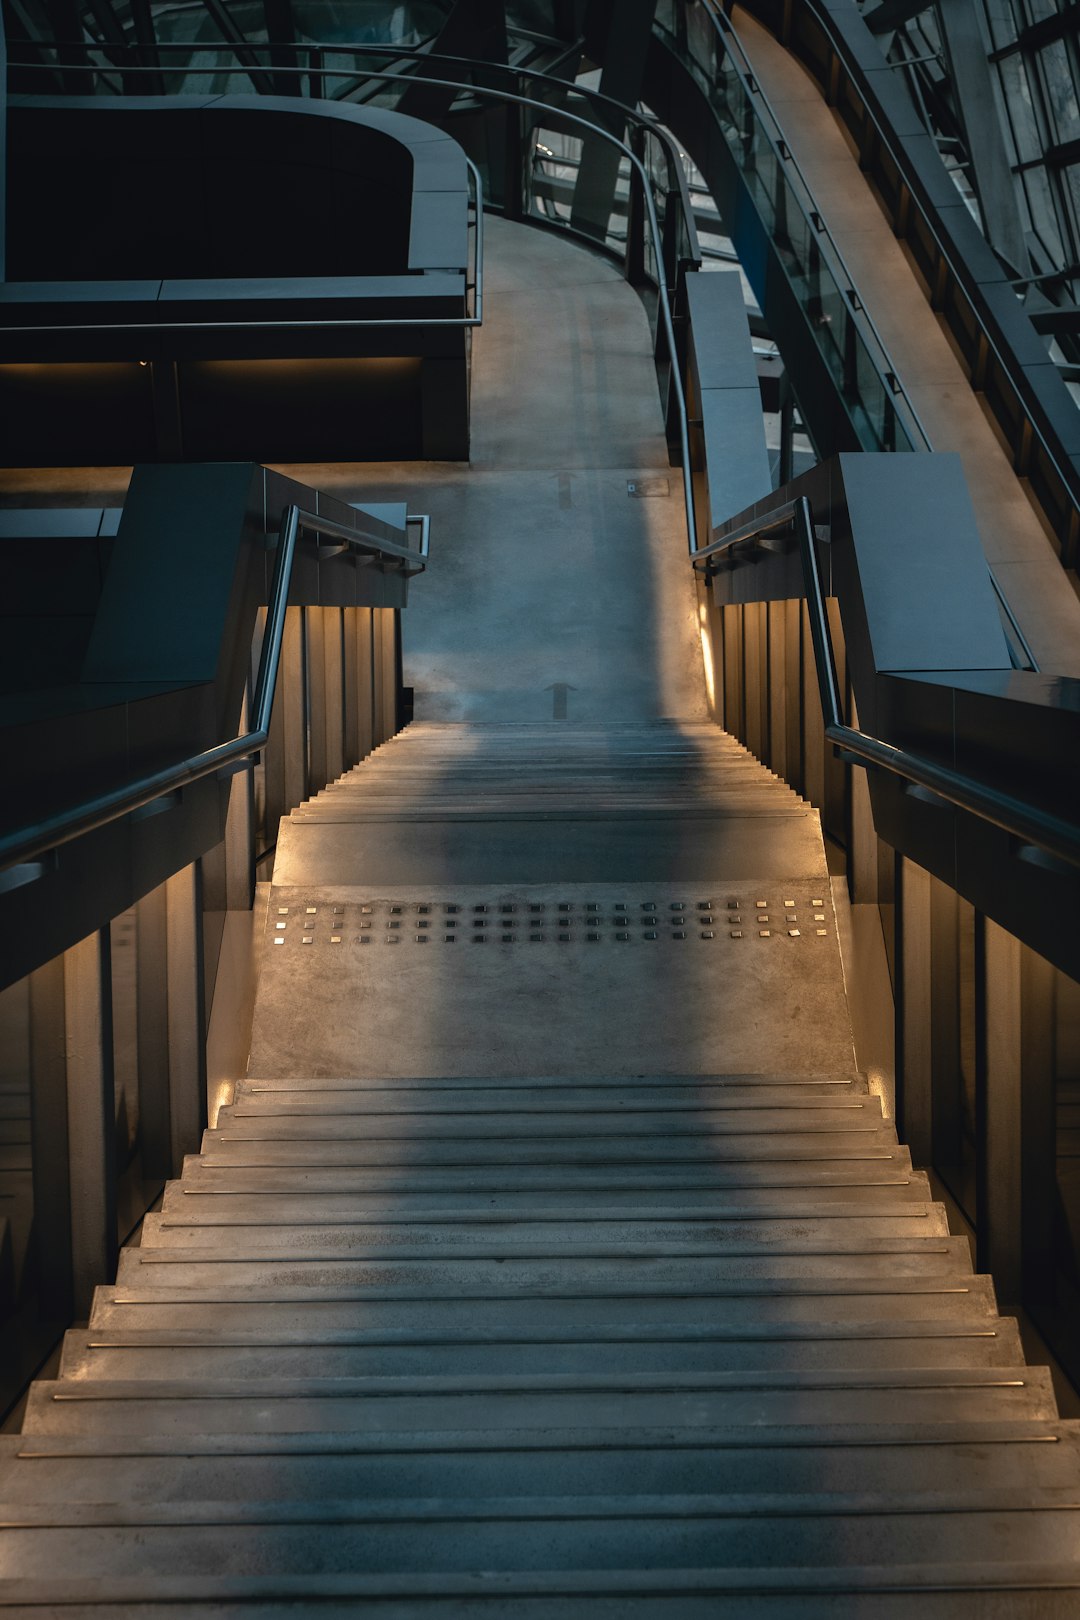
x: 1058, y: 838
x: 667, y: 320
x: 30, y: 843
x: 315, y: 51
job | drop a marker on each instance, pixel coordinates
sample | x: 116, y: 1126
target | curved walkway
x: 555, y: 584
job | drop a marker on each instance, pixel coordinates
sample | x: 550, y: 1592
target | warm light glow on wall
x: 707, y: 653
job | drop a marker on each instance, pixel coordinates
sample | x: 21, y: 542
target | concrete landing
x: 551, y: 991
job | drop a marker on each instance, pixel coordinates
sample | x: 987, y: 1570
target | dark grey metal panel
x: 722, y: 344
x: 179, y: 569
x: 919, y: 565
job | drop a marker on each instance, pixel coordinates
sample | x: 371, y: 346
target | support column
x: 914, y: 1072
x: 333, y: 692
x: 315, y: 622
x: 153, y: 1034
x: 365, y: 681
x: 862, y: 842
x: 91, y: 1111
x: 240, y: 835
x: 998, y: 1127
x: 617, y: 37
x: 187, y: 1013
x: 49, y: 1139
x: 1038, y: 1126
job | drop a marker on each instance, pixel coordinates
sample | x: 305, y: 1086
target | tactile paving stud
x: 736, y: 933
x: 395, y: 911
x: 393, y: 939
x: 307, y: 939
x: 822, y: 933
x: 650, y: 933
x: 451, y: 910
x: 449, y: 939
x: 536, y: 939
x: 506, y: 910
x: 339, y: 911
x: 281, y: 925
x: 677, y: 905
x: 789, y: 902
x: 565, y: 905
x: 762, y: 905
x: 423, y: 923
x: 423, y: 910
x: 793, y: 933
x: 593, y: 939
x: 335, y: 939
x: 622, y: 936
x: 280, y: 940
x: 648, y: 905
x: 365, y: 911
x: 421, y: 939
x: 283, y: 911
x: 311, y: 911
x: 679, y: 933
x: 536, y: 906
x: 707, y: 933
x: 766, y: 933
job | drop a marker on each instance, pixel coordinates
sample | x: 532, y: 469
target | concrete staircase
x: 555, y: 1261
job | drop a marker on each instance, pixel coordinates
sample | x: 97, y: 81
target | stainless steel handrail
x: 1031, y: 826
x: 30, y: 843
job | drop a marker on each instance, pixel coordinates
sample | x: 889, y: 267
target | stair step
x: 225, y: 1466
x: 397, y: 1296
x: 738, y: 1116
x: 653, y: 1218
x: 641, y: 1534
x: 818, y: 1346
x: 956, y: 1591
x: 667, y: 1293
x: 686, y: 1399
x: 316, y: 1141
x: 520, y: 1091
x: 796, y: 1272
